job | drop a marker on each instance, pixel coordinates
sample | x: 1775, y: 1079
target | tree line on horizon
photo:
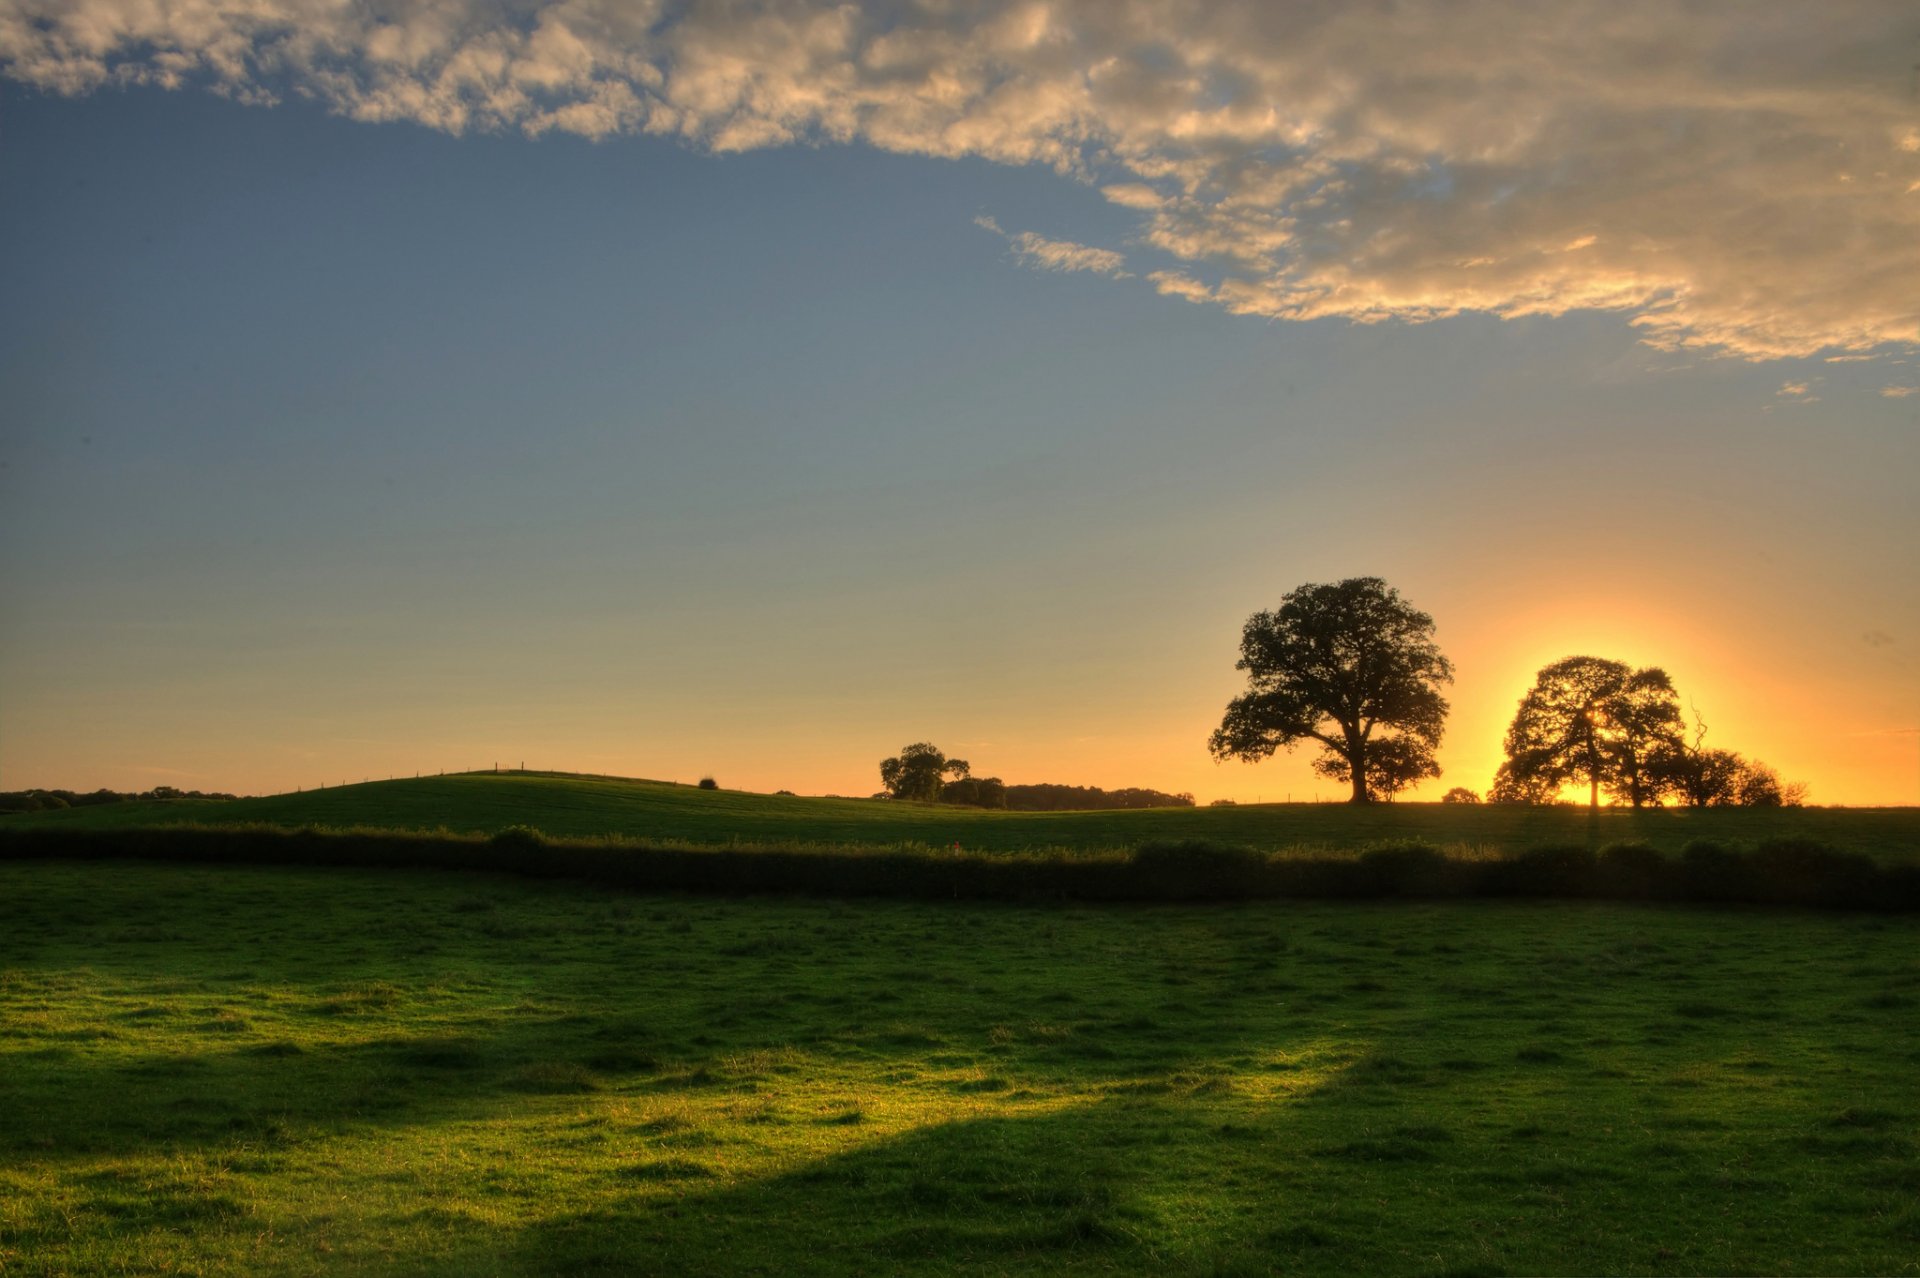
x: 922, y: 772
x: 35, y: 800
x: 1354, y: 667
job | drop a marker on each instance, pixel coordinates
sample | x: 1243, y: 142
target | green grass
x: 566, y: 805
x: 258, y: 1070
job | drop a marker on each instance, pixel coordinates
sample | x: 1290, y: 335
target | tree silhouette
x: 1599, y: 721
x: 918, y: 772
x: 1393, y: 764
x: 1337, y: 664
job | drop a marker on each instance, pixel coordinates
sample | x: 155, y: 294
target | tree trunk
x: 1593, y: 794
x: 1357, y: 765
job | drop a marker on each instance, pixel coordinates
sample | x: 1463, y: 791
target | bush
x: 1406, y: 869
x: 708, y: 783
x: 1547, y: 871
x: 1634, y: 872
x: 518, y: 839
x: 1198, y: 870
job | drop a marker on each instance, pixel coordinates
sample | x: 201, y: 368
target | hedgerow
x: 1781, y: 872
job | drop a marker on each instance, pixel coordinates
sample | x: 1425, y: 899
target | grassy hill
x: 573, y: 806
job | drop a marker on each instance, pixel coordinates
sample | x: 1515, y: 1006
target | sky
x: 748, y: 390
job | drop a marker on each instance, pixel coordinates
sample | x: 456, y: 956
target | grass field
x: 256, y: 1070
x: 567, y: 805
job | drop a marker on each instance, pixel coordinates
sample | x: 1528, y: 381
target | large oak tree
x: 1352, y: 666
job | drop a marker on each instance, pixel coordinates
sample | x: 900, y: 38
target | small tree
x: 919, y: 772
x: 1352, y: 666
x: 1460, y: 794
x: 1715, y: 778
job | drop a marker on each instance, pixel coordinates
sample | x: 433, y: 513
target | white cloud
x: 1064, y: 255
x: 1174, y: 284
x: 1044, y: 254
x: 1792, y: 390
x: 1899, y: 392
x: 1735, y: 178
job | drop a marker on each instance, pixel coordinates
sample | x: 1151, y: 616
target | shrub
x: 1195, y: 870
x: 1547, y: 871
x: 708, y: 783
x: 1406, y: 869
x: 1634, y: 871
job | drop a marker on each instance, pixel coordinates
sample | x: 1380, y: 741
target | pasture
x: 244, y: 1070
x: 571, y: 806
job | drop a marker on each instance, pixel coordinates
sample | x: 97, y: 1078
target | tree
x: 1715, y: 778
x: 975, y: 792
x: 1460, y: 794
x: 1530, y: 791
x: 1338, y: 664
x: 918, y: 772
x: 1591, y: 719
x: 1393, y: 764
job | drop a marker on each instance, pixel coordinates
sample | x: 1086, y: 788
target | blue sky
x: 338, y: 448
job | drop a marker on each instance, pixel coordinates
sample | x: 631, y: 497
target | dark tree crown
x: 1338, y: 663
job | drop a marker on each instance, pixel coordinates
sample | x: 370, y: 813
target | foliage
x: 1157, y: 872
x: 58, y: 800
x: 919, y: 772
x: 1460, y: 794
x: 1042, y: 797
x: 1521, y: 791
x: 1393, y: 764
x: 975, y: 792
x: 708, y: 783
x: 1338, y: 664
x: 1706, y: 777
x: 1594, y: 720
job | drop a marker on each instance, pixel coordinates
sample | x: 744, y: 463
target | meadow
x: 262, y: 1069
x: 571, y: 806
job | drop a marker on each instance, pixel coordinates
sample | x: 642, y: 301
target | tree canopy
x: 1352, y: 666
x: 920, y: 771
x: 1594, y: 720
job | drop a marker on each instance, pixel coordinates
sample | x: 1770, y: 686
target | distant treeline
x: 923, y: 773
x: 1789, y: 872
x: 54, y: 800
x: 992, y: 792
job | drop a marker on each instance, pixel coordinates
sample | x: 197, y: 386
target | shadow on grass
x: 1103, y: 1185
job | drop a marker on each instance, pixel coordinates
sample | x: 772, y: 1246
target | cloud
x: 1877, y: 639
x: 1792, y: 390
x: 1738, y: 179
x: 1899, y: 392
x: 1044, y: 254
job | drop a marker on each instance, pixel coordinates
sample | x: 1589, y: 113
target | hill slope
x: 569, y: 805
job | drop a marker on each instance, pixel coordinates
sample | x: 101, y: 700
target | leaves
x: 918, y: 772
x: 1332, y: 664
x: 1594, y: 720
